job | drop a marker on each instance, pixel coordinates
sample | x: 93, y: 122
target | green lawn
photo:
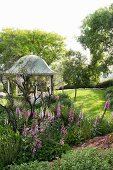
x: 90, y: 101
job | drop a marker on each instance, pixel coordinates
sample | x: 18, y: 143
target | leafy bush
x: 9, y: 146
x: 51, y: 150
x: 30, y: 166
x: 105, y: 127
x: 79, y: 132
x: 49, y: 146
x: 65, y: 99
x: 84, y: 159
x: 105, y: 84
x: 3, y: 116
x: 87, y: 159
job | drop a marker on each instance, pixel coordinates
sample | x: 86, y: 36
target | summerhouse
x: 33, y: 66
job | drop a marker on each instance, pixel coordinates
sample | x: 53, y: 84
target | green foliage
x: 97, y: 35
x: 105, y: 127
x: 87, y: 159
x: 84, y: 159
x: 65, y: 100
x: 51, y: 150
x: 109, y: 95
x: 50, y: 144
x: 105, y: 84
x: 9, y: 146
x: 1, y: 88
x: 74, y: 70
x: 79, y: 132
x: 17, y: 43
x: 30, y: 166
x: 3, y: 116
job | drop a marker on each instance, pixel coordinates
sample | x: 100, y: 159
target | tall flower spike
x: 107, y: 105
x: 71, y: 116
x: 58, y: 110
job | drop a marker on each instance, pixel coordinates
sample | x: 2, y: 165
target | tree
x: 97, y: 36
x: 17, y: 43
x: 75, y: 71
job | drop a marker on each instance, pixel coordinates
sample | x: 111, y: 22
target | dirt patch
x: 103, y: 142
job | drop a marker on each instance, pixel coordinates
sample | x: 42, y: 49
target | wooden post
x: 51, y: 84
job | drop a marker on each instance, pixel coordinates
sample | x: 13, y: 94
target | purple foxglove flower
x: 34, y: 128
x: 18, y: 111
x: 71, y: 116
x: 107, y: 105
x: 63, y: 130
x: 28, y: 114
x: 25, y: 130
x: 58, y: 110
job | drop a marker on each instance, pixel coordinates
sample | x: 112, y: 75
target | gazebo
x: 31, y: 65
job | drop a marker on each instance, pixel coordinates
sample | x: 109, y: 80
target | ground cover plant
x: 85, y: 159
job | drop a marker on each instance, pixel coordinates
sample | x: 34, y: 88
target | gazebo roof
x: 31, y: 65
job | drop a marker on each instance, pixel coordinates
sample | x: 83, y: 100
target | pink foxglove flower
x: 25, y: 130
x: 62, y: 141
x: 58, y: 110
x: 107, y: 105
x: 34, y: 114
x: 34, y: 128
x: 63, y: 130
x: 28, y: 114
x: 71, y: 116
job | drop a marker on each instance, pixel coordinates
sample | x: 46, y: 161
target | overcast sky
x: 61, y: 16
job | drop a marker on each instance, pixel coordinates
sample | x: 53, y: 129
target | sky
x: 61, y: 16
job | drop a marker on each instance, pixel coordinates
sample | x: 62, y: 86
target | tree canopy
x: 97, y: 36
x: 75, y: 71
x: 15, y: 43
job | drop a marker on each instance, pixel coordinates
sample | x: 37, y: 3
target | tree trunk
x: 75, y: 95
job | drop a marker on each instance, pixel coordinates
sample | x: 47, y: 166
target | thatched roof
x: 30, y: 65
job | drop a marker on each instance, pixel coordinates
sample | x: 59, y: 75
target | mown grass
x: 89, y: 101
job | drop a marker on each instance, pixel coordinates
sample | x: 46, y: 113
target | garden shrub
x: 49, y: 146
x: 31, y: 166
x: 65, y: 100
x: 51, y: 150
x: 104, y: 128
x: 9, y: 146
x: 79, y: 132
x: 84, y: 159
x: 3, y: 116
x: 105, y: 84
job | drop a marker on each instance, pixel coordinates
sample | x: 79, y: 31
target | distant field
x: 90, y: 101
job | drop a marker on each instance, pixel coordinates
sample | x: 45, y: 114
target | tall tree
x: 97, y: 36
x: 75, y: 71
x: 17, y: 43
